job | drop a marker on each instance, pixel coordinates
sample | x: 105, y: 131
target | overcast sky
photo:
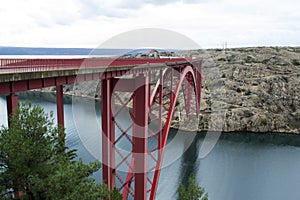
x: 88, y: 23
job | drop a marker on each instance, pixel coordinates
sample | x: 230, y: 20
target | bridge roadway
x: 27, y: 69
x: 17, y: 75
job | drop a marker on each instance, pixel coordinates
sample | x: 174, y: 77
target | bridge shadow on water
x: 189, y: 160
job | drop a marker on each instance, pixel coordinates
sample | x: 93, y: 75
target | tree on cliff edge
x: 35, y: 161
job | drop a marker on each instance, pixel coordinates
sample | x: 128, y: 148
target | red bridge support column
x: 189, y: 94
x: 60, y: 105
x: 140, y: 136
x: 12, y: 105
x: 108, y: 133
x: 198, y: 74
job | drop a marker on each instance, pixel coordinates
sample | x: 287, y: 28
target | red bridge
x: 153, y: 86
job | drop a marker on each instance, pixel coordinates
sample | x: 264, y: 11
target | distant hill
x: 59, y: 51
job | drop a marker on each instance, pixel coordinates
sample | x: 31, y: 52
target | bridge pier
x: 188, y: 94
x: 198, y: 75
x: 12, y: 102
x: 60, y: 105
x: 140, y: 136
x: 108, y: 133
x: 138, y: 86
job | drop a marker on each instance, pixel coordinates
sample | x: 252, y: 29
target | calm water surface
x: 240, y: 167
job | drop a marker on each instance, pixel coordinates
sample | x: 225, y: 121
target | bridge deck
x: 24, y: 69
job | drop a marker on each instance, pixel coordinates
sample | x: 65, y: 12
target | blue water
x: 240, y: 167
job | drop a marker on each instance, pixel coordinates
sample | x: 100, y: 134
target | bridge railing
x: 26, y: 65
x: 41, y: 63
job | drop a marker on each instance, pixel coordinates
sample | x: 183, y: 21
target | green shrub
x: 296, y: 62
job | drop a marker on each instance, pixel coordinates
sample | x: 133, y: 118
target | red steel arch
x: 132, y: 154
x: 151, y: 120
x: 187, y: 72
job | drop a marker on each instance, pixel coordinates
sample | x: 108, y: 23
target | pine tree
x: 34, y: 160
x: 192, y: 191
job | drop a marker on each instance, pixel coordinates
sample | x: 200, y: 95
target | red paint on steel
x: 140, y: 136
x: 124, y: 85
x: 60, y: 105
x: 35, y: 84
x: 160, y: 104
x: 108, y: 133
x: 5, y: 88
x: 128, y: 182
x: 12, y: 105
x: 72, y: 79
x: 199, y: 86
x: 61, y: 80
x: 188, y: 94
x: 186, y: 70
x: 163, y: 97
x: 32, y: 65
x: 19, y: 86
x: 158, y: 84
x: 48, y: 82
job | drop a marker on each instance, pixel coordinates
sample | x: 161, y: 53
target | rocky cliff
x: 258, y: 89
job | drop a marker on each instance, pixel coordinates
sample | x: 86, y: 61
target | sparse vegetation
x: 295, y: 62
x: 263, y: 121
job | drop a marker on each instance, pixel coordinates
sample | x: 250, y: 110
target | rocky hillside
x: 256, y: 89
x: 244, y: 89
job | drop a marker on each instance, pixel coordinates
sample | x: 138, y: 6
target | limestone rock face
x: 259, y: 86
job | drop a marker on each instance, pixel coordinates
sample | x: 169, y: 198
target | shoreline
x: 50, y: 96
x: 274, y: 138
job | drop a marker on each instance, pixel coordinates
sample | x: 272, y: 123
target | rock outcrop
x: 258, y: 87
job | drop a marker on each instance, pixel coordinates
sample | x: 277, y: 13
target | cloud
x: 134, y: 4
x: 93, y: 8
x: 72, y: 23
x: 150, y: 38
